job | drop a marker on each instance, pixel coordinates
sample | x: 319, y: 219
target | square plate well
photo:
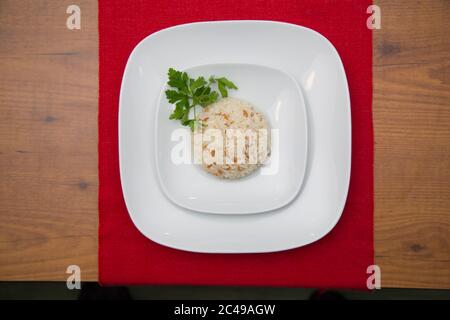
x: 278, y: 97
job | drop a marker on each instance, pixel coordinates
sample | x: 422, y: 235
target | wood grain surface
x: 48, y: 142
x: 411, y: 109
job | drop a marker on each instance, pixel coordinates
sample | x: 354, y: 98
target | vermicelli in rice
x: 232, y: 119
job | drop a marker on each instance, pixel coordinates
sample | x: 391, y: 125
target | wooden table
x: 48, y: 142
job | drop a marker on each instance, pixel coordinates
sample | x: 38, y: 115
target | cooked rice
x: 236, y: 114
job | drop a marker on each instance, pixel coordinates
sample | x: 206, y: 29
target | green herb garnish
x: 187, y: 93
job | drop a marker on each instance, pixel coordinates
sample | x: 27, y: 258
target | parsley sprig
x: 187, y: 93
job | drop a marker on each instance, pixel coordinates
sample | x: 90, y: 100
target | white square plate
x: 300, y: 52
x: 278, y: 97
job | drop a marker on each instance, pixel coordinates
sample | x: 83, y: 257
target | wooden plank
x: 48, y: 144
x: 412, y: 144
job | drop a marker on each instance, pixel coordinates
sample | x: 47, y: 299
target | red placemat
x: 338, y: 260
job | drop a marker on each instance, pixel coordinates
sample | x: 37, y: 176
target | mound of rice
x: 239, y: 115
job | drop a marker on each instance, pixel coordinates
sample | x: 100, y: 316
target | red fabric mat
x: 338, y: 260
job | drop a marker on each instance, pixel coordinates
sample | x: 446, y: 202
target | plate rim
x: 345, y: 190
